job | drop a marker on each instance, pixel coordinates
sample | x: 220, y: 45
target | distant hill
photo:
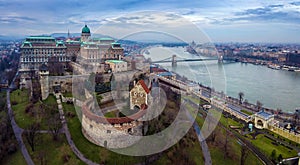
x: 9, y: 38
x: 65, y: 35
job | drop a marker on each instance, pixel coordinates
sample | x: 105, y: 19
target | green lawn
x: 24, y: 119
x: 68, y: 94
x: 266, y: 146
x: 52, y: 152
x: 90, y: 150
x: 234, y: 148
x: 193, y: 99
x: 246, y: 112
x: 14, y: 159
x: 229, y: 121
x: 194, y: 153
x: 111, y: 114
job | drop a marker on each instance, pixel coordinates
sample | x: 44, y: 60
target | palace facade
x: 38, y: 50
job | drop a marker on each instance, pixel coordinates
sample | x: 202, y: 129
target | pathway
x: 201, y: 139
x: 17, y: 131
x: 68, y: 135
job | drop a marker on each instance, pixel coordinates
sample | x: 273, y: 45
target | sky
x: 218, y: 20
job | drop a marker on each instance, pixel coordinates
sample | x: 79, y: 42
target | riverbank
x: 269, y: 64
x: 276, y: 89
x: 212, y: 93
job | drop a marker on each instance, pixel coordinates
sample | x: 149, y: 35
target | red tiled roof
x: 115, y: 120
x: 157, y: 70
x: 144, y: 86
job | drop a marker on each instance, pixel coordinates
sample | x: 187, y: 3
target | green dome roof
x: 85, y: 29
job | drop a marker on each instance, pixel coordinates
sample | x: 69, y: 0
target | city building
x: 85, y: 34
x: 262, y: 120
x: 117, y: 65
x: 38, y: 50
x: 293, y: 58
x: 99, y: 50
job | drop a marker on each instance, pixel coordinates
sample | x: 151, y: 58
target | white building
x: 262, y: 119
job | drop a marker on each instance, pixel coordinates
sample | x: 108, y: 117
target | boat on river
x: 276, y: 67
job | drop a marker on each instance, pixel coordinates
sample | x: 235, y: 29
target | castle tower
x: 85, y: 33
x: 44, y: 81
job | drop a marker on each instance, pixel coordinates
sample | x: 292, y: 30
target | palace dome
x: 85, y: 29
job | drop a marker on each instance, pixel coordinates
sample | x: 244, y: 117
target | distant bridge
x: 174, y: 59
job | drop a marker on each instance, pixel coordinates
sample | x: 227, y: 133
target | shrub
x: 28, y: 108
x: 14, y: 103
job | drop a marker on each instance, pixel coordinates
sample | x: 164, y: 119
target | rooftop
x: 41, y: 37
x: 115, y: 61
x: 85, y: 29
x: 104, y: 39
x: 264, y: 115
x: 144, y: 86
x: 165, y: 74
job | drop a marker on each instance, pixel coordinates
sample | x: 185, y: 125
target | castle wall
x: 285, y: 133
x: 44, y: 81
x: 111, y: 136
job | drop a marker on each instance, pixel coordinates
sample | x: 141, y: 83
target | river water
x: 274, y: 88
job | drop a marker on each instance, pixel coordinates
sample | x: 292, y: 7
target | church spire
x: 68, y: 33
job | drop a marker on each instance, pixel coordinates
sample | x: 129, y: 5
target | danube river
x: 274, y: 88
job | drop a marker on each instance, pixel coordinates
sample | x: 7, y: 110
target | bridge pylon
x: 174, y: 62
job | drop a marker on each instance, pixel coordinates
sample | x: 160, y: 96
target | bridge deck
x: 183, y: 60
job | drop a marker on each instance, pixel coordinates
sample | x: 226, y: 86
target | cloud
x: 273, y: 13
x: 58, y: 16
x: 16, y: 19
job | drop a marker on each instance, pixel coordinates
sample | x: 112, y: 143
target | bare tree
x: 226, y: 140
x: 31, y: 134
x: 258, y: 105
x: 241, y: 97
x: 54, y: 125
x: 244, y: 154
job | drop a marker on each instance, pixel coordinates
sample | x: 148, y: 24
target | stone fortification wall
x: 118, y: 132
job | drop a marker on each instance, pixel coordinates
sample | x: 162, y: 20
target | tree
x: 241, y: 97
x: 258, y: 105
x: 279, y: 158
x: 273, y: 155
x: 223, y: 94
x: 244, y: 154
x: 31, y: 134
x: 226, y: 141
x: 54, y: 124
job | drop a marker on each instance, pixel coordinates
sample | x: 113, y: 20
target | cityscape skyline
x: 226, y: 21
